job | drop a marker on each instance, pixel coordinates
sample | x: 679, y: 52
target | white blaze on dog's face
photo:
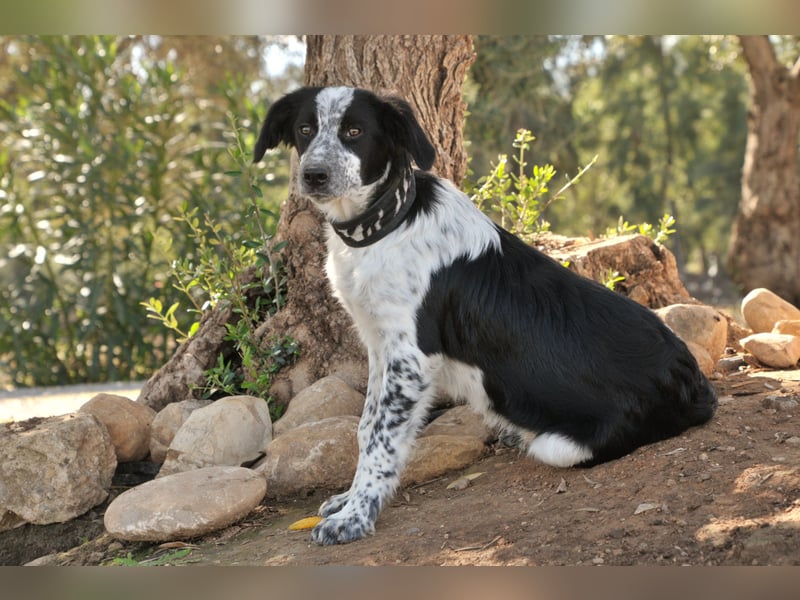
x: 333, y: 142
x: 349, y: 141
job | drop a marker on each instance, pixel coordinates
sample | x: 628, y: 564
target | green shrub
x: 97, y: 158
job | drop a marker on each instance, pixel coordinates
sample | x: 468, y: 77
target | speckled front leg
x: 387, y: 431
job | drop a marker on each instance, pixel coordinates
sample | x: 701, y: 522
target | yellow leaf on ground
x: 307, y: 523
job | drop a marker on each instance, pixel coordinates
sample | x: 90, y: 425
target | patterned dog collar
x: 382, y: 217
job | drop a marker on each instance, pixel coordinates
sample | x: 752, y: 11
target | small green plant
x: 518, y: 199
x: 660, y: 234
x: 220, y: 273
x: 612, y: 278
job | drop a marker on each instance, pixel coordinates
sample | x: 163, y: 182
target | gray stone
x: 230, y: 432
x: 762, y: 308
x: 53, y: 470
x: 166, y: 424
x: 128, y: 423
x: 185, y: 505
x: 318, y: 455
x: 328, y: 397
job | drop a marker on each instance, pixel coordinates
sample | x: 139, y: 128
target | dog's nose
x: 315, y: 177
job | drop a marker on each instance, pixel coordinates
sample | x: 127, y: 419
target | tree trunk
x: 428, y: 71
x: 765, y: 245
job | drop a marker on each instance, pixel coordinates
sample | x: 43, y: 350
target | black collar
x: 383, y: 216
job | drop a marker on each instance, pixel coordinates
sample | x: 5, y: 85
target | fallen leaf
x: 463, y: 482
x: 307, y: 523
x: 562, y: 487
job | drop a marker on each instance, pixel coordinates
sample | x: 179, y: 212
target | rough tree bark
x: 429, y: 72
x: 765, y: 245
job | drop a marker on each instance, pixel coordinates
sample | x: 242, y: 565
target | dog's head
x: 349, y: 140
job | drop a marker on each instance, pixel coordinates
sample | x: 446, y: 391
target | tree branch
x: 760, y: 57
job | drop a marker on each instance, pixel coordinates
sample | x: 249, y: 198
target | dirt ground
x: 727, y: 493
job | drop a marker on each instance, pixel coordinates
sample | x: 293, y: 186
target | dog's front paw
x: 333, y: 504
x: 341, y: 529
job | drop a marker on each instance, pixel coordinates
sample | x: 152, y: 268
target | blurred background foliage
x: 104, y: 139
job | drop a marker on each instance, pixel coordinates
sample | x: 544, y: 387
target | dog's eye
x: 352, y: 133
x: 305, y: 130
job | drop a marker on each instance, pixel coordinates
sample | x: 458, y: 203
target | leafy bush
x: 220, y: 274
x: 517, y: 199
x: 98, y: 155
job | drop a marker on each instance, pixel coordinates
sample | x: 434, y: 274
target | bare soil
x: 727, y: 493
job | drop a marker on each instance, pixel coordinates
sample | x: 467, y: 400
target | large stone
x: 185, y: 505
x: 459, y: 420
x: 773, y: 349
x: 53, y: 470
x: 318, y: 455
x: 166, y: 424
x: 698, y: 325
x: 762, y: 308
x: 231, y: 432
x: 328, y: 397
x: 128, y: 423
x: 435, y: 455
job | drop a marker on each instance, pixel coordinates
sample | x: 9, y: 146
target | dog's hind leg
x: 390, y: 423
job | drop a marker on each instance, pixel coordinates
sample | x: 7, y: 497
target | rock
x: 128, y: 423
x: 730, y: 364
x: 702, y: 357
x: 762, y: 308
x: 773, y: 349
x: 460, y: 420
x: 788, y: 327
x: 435, y: 455
x: 53, y: 470
x: 166, y: 424
x: 230, y: 432
x: 318, y: 455
x: 701, y: 326
x: 328, y: 397
x: 185, y: 505
x: 777, y: 402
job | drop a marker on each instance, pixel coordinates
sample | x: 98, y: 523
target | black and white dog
x: 449, y: 303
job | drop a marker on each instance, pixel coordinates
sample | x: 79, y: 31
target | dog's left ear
x: 405, y: 131
x: 279, y: 122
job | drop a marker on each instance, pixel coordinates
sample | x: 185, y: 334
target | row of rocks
x: 56, y: 469
x: 315, y: 448
x: 776, y: 326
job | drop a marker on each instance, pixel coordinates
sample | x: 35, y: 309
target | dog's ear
x: 405, y: 131
x: 279, y: 123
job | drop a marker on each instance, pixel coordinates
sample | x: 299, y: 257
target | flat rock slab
x: 185, y: 505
